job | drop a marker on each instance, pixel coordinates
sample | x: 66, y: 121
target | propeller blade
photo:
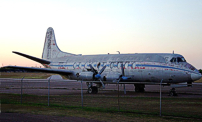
x: 102, y: 84
x: 99, y: 74
x: 122, y: 77
x: 122, y: 69
x: 103, y: 68
x: 118, y: 80
x: 92, y: 69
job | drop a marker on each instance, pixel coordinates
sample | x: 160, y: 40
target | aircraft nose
x: 195, y: 77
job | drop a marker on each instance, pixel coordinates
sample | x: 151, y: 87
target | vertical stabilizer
x: 51, y: 50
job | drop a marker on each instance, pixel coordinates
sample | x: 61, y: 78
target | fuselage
x: 142, y: 67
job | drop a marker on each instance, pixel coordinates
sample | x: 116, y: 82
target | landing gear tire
x: 93, y: 90
x: 139, y: 87
x: 172, y: 92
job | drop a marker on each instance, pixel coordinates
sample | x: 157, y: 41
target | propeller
x: 96, y: 74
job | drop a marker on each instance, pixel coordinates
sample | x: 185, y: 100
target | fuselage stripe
x: 140, y: 65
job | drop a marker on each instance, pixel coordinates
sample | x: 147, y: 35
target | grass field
x: 102, y: 108
x: 199, y: 81
x: 106, y: 108
x: 26, y: 75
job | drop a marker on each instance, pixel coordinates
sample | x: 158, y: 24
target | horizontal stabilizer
x: 47, y: 70
x: 42, y: 61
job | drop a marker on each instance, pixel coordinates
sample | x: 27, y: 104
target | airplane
x: 139, y: 69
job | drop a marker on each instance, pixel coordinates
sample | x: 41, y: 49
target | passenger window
x: 119, y: 65
x: 111, y: 65
x: 115, y: 64
x: 94, y: 65
x: 126, y: 65
x: 76, y: 65
x: 80, y: 65
x: 134, y: 65
x: 103, y: 64
x: 87, y: 65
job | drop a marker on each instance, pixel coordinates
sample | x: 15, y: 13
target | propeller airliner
x: 139, y: 69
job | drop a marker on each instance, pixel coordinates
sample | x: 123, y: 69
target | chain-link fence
x: 66, y: 93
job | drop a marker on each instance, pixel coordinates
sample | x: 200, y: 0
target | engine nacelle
x: 111, y: 77
x: 86, y: 76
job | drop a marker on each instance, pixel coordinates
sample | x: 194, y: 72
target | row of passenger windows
x: 100, y: 65
x: 177, y: 59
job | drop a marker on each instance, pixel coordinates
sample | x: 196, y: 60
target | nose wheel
x: 172, y: 92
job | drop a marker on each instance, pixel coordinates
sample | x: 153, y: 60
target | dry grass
x: 92, y: 115
x: 28, y: 75
x: 105, y: 108
x: 199, y: 81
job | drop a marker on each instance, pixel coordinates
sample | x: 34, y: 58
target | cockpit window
x: 173, y: 60
x: 178, y: 59
x: 183, y: 59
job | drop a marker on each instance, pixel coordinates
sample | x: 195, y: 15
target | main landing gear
x: 139, y: 87
x: 92, y: 89
x: 172, y: 92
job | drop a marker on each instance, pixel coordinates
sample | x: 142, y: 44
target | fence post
x: 160, y: 96
x: 124, y: 89
x: 21, y: 89
x: 118, y: 97
x: 49, y: 90
x: 82, y: 94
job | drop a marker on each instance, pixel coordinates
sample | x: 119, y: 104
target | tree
x: 200, y: 70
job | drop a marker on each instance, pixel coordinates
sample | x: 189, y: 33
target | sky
x: 101, y: 27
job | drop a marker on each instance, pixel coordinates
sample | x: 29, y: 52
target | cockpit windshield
x: 173, y: 60
x: 178, y: 59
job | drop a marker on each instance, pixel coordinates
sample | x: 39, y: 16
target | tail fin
x: 51, y: 50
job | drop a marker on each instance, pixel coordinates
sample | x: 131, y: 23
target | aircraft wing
x: 47, y: 70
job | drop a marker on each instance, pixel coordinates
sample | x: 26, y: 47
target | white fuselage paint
x: 139, y: 67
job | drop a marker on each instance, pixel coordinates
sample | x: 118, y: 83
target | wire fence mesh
x: 65, y: 93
